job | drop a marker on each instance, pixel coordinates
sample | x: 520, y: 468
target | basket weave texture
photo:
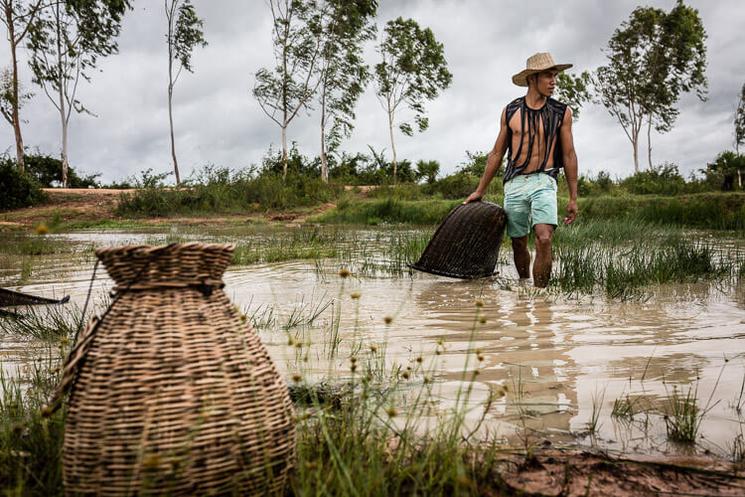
x: 171, y: 392
x: 466, y: 244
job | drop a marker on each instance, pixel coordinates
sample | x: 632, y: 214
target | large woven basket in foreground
x: 466, y: 244
x: 171, y: 392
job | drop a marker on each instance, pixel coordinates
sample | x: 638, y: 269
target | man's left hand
x: 571, y: 212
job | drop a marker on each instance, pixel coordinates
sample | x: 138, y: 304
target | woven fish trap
x: 466, y: 244
x: 171, y: 392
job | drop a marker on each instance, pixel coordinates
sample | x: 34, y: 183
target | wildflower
x: 419, y: 359
x: 405, y: 375
x: 427, y: 380
x: 353, y: 368
x: 438, y: 351
x: 440, y: 342
x: 297, y: 378
x: 388, y: 320
x: 298, y: 345
x: 373, y: 349
x: 353, y: 360
x: 479, y: 303
x: 290, y: 341
x: 355, y: 295
x: 41, y: 229
x: 391, y: 412
x: 344, y: 272
x: 482, y: 319
x: 480, y: 358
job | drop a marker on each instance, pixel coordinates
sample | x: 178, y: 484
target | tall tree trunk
x: 324, y: 159
x: 170, y: 15
x: 393, y: 144
x: 635, y: 146
x: 284, y: 152
x: 649, y: 142
x: 61, y: 98
x: 15, y: 103
x: 173, y: 140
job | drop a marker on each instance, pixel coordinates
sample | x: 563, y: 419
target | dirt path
x: 68, y: 205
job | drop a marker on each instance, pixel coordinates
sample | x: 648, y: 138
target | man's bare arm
x: 493, y: 161
x: 570, y: 165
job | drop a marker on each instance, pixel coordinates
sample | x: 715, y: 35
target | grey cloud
x: 217, y: 120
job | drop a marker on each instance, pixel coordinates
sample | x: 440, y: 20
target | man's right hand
x: 474, y: 197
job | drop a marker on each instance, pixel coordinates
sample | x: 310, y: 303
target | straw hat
x: 539, y: 62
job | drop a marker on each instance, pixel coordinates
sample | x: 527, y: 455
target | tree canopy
x: 413, y: 71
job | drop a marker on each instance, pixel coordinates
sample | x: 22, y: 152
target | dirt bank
x: 70, y: 205
x: 577, y: 474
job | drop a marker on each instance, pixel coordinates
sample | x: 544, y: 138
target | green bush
x: 48, y: 172
x: 19, y: 190
x: 662, y: 180
x: 390, y: 210
x: 215, y: 190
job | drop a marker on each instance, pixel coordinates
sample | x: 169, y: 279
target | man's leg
x: 542, y: 268
x: 522, y: 256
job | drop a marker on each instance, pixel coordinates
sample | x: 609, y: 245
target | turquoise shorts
x: 529, y: 199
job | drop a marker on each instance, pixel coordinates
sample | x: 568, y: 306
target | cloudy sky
x: 486, y: 41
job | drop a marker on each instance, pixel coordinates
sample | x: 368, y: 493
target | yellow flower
x: 41, y: 229
x: 355, y: 295
x: 344, y: 272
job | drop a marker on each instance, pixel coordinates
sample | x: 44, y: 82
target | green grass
x: 683, y: 416
x: 389, y: 211
x: 222, y: 191
x: 721, y: 211
x: 30, y: 444
x: 622, y: 259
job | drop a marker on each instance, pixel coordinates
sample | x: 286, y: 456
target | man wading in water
x: 537, y: 132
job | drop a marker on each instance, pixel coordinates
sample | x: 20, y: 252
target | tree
x: 18, y: 16
x: 343, y: 73
x: 740, y: 121
x: 65, y: 42
x: 413, y: 70
x: 283, y: 91
x: 725, y: 168
x: 184, y: 33
x: 574, y: 90
x: 653, y: 58
x: 427, y: 170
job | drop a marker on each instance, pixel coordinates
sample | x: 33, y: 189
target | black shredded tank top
x: 550, y: 116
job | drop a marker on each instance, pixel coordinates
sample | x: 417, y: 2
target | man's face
x: 545, y: 82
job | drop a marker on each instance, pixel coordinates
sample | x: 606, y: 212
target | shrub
x: 48, y: 172
x: 222, y: 190
x: 19, y: 190
x: 661, y: 180
x: 727, y: 171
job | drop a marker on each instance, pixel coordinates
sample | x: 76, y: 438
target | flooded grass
x: 376, y: 421
x: 31, y: 444
x: 683, y: 416
x: 624, y: 259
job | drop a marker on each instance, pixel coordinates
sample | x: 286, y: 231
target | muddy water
x: 551, y: 361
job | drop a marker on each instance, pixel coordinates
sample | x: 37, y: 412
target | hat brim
x: 521, y: 78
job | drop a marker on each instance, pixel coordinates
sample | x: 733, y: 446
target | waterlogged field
x: 638, y: 345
